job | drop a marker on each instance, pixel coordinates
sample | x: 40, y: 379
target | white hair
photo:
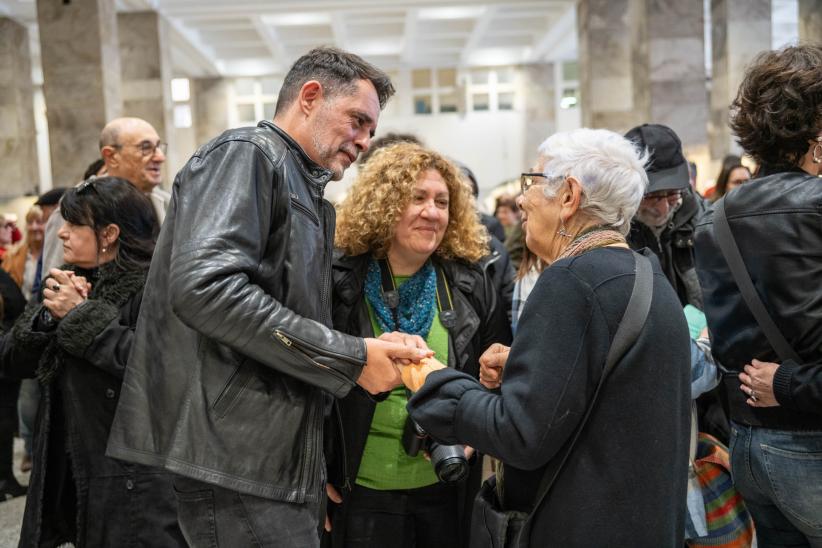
x: 610, y: 168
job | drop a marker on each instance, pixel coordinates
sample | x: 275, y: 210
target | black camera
x: 449, y: 461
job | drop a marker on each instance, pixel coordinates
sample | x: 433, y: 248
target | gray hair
x: 610, y: 168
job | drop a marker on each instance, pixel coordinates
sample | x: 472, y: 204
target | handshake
x: 394, y: 359
x: 398, y: 358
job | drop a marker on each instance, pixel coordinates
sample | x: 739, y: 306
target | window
x: 181, y: 97
x: 422, y: 104
x: 492, y: 89
x: 569, y: 85
x: 254, y: 99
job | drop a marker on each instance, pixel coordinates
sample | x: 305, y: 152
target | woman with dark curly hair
x: 775, y: 404
x: 426, y: 242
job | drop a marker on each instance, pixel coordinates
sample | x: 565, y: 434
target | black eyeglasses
x: 527, y: 180
x: 147, y: 148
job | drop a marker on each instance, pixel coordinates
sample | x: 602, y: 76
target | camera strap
x: 391, y: 296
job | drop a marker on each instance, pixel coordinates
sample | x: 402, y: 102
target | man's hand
x: 492, y: 362
x: 414, y: 341
x: 757, y: 383
x: 333, y: 496
x: 380, y: 373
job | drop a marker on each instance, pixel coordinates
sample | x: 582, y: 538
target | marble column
x: 540, y: 110
x: 740, y: 29
x: 18, y: 147
x: 642, y: 61
x: 209, y: 107
x: 81, y: 80
x: 145, y: 62
x: 810, y: 21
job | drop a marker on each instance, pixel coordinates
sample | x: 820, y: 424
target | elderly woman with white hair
x: 619, y: 465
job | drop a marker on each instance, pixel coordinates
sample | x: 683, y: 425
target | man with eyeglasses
x: 669, y: 210
x: 132, y: 150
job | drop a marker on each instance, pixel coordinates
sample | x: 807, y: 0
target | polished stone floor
x: 11, y: 512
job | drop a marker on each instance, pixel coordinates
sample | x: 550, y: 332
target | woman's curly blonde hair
x: 367, y: 218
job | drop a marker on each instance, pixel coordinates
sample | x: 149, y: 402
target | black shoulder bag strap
x: 627, y: 333
x: 727, y: 244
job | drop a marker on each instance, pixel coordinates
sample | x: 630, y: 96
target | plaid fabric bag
x: 726, y: 519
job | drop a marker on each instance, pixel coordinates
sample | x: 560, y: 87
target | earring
x: 562, y: 231
x: 104, y: 249
x: 817, y: 154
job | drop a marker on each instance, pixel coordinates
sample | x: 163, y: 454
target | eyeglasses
x: 527, y: 180
x: 147, y: 148
x: 86, y: 186
x: 670, y: 195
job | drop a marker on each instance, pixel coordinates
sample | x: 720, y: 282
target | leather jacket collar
x: 316, y: 175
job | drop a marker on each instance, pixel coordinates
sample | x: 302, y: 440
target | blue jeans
x: 211, y: 516
x: 779, y: 475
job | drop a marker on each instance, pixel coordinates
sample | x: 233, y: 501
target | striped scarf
x: 592, y: 238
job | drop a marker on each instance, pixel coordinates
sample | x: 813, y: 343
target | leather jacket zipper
x: 288, y: 341
x: 343, y: 452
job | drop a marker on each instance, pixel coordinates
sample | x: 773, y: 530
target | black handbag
x: 492, y: 527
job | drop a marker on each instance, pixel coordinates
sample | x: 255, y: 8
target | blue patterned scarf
x: 417, y: 297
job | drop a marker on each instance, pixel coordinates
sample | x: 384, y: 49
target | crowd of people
x: 240, y: 363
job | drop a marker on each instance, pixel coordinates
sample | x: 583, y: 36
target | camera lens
x: 449, y: 462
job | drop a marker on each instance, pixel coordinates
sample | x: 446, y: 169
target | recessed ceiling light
x: 450, y: 13
x: 297, y: 19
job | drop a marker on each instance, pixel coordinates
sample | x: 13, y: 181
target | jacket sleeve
x: 550, y: 376
x: 222, y: 224
x: 799, y: 387
x: 100, y: 333
x: 24, y: 345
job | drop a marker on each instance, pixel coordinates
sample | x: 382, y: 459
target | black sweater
x: 625, y: 482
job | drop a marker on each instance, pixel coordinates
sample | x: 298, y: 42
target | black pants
x: 212, y: 516
x: 414, y: 518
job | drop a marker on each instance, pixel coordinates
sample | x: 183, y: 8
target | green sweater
x: 385, y: 465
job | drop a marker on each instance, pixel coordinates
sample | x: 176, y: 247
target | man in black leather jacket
x: 234, y: 361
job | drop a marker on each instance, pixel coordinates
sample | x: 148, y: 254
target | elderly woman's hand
x: 414, y: 375
x: 757, y: 383
x: 63, y: 291
x: 492, y: 362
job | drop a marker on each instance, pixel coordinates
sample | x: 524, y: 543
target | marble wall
x: 18, y: 148
x: 810, y: 20
x: 209, y: 108
x: 643, y: 61
x: 539, y: 106
x: 740, y: 29
x: 81, y: 80
x: 145, y: 63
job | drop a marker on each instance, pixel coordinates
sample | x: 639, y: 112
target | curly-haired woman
x: 776, y: 220
x: 425, y: 241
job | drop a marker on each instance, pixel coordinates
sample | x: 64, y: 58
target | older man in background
x: 132, y: 150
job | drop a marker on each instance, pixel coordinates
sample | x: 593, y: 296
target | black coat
x: 624, y: 484
x: 234, y: 357
x: 480, y: 323
x: 76, y: 493
x: 675, y: 247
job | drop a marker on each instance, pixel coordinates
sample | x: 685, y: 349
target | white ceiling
x: 253, y: 37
